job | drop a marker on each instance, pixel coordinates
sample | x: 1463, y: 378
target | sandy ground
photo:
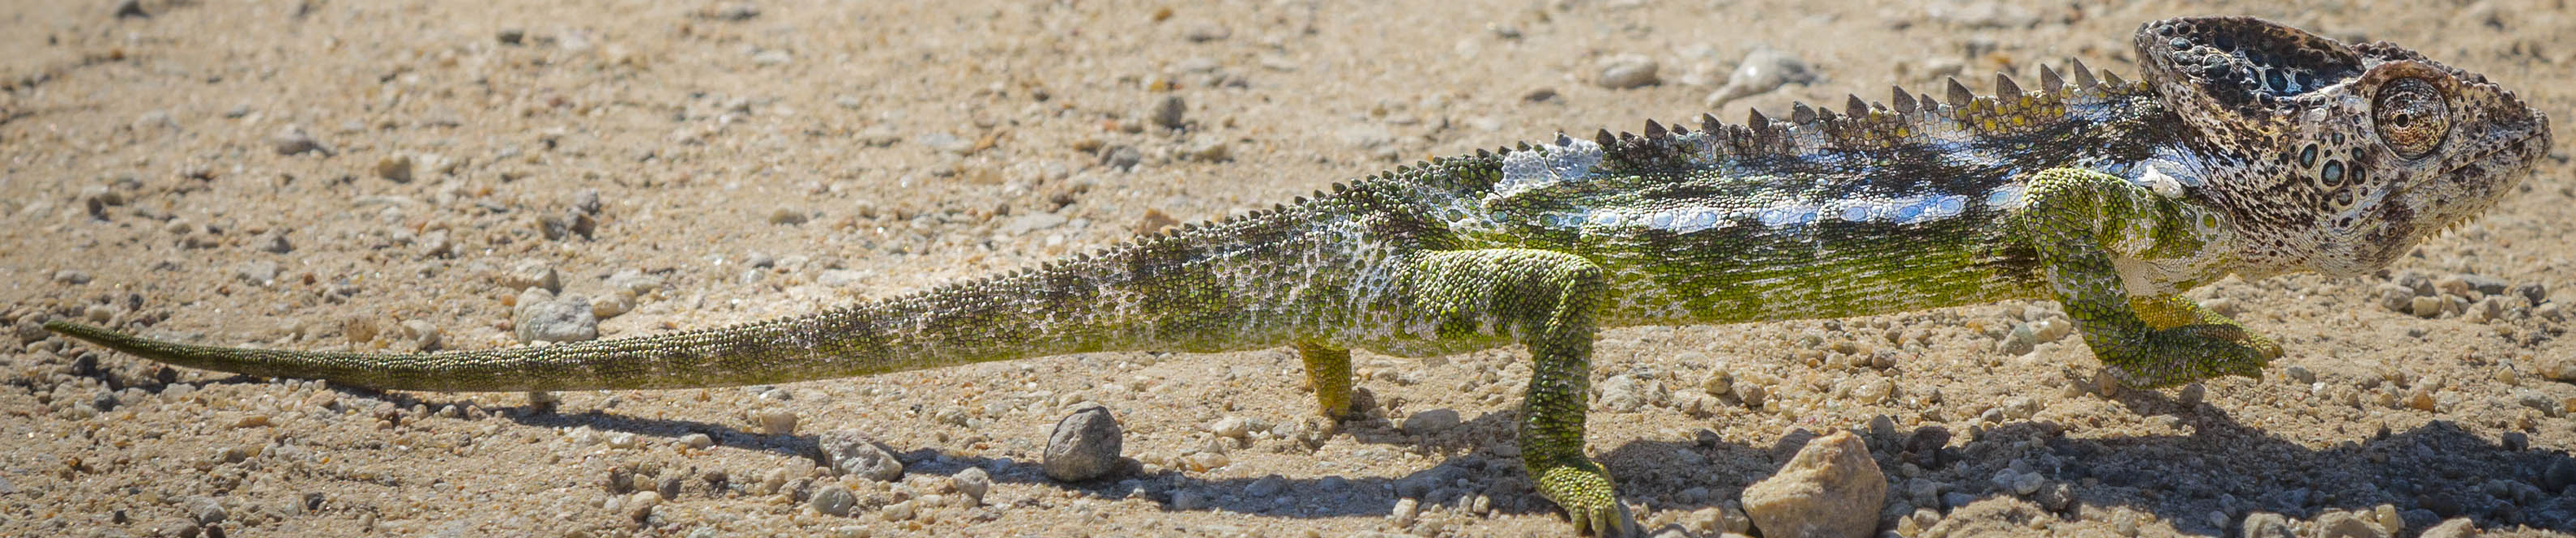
x: 769, y: 159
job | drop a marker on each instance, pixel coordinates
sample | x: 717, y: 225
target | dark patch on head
x: 2243, y: 65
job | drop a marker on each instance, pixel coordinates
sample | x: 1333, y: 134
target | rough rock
x: 1830, y: 488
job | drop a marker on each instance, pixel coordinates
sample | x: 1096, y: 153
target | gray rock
x: 973, y: 482
x: 2264, y: 525
x: 832, y: 499
x: 205, y: 511
x: 1122, y: 157
x: 2532, y: 292
x: 510, y: 36
x: 272, y: 242
x: 1085, y: 446
x: 1627, y: 71
x: 396, y: 167
x: 1830, y: 488
x: 293, y: 141
x: 532, y: 274
x: 2021, y: 340
x: 71, y: 276
x: 2561, y: 474
x: 852, y: 452
x: 586, y: 201
x: 2485, y: 285
x: 776, y: 421
x: 2459, y: 527
x: 1266, y: 487
x: 635, y: 281
x: 256, y: 272
x: 2396, y: 298
x: 1168, y: 112
x: 131, y: 8
x: 567, y: 319
x: 1431, y: 421
x: 942, y: 141
x: 2342, y: 524
x: 1762, y: 70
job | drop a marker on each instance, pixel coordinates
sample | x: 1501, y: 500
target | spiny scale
x: 1854, y: 107
x: 2048, y: 81
x: 1904, y: 102
x: 1959, y: 95
x: 2083, y: 75
x: 2004, y: 86
x: 1800, y: 114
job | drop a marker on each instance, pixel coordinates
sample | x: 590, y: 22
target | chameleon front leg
x: 1328, y: 368
x: 2072, y: 218
x: 1545, y: 300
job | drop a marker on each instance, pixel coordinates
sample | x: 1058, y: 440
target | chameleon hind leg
x: 1328, y: 368
x: 2072, y: 218
x: 1545, y: 300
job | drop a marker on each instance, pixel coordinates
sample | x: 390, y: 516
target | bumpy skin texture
x: 2250, y: 148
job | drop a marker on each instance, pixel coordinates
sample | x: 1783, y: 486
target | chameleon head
x: 2337, y: 158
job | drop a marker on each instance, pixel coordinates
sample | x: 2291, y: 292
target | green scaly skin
x: 2249, y: 148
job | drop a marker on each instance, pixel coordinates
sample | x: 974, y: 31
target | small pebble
x: 532, y: 274
x: 1405, y: 511
x: 2426, y: 306
x: 1627, y: 71
x: 855, y: 453
x: 396, y: 167
x: 567, y: 319
x: 776, y: 422
x: 292, y: 140
x: 786, y: 216
x: 1269, y: 486
x: 1167, y: 112
x: 1431, y: 421
x: 641, y: 505
x: 272, y: 242
x: 510, y: 36
x: 698, y: 441
x: 99, y: 313
x: 73, y: 277
x: 256, y: 272
x: 1188, y: 500
x: 833, y: 499
x: 2532, y: 292
x: 1762, y: 70
x: 613, y: 305
x: 206, y: 511
x: 2301, y: 374
x: 1085, y: 446
x: 973, y: 482
x: 902, y: 511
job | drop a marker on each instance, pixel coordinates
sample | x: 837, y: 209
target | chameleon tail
x: 1199, y: 291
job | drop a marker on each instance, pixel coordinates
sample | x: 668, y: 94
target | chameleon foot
x: 1584, y: 490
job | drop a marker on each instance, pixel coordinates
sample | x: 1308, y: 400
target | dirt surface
x: 760, y: 160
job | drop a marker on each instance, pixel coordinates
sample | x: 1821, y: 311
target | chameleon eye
x: 2411, y: 117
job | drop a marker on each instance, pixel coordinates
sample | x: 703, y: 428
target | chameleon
x: 2246, y: 148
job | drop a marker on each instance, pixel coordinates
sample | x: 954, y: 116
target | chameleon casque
x: 2247, y: 148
